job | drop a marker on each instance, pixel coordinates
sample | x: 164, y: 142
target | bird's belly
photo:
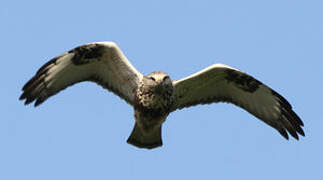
x: 147, y: 121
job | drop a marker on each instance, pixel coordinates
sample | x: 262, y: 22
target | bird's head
x: 160, y: 81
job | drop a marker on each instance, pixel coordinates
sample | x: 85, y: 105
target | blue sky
x: 81, y: 133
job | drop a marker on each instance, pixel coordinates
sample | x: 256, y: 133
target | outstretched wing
x: 100, y: 62
x: 221, y: 83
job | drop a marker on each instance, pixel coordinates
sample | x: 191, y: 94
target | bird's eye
x: 152, y: 78
x: 166, y: 77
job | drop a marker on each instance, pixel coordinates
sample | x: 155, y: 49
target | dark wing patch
x: 84, y: 54
x: 242, y: 81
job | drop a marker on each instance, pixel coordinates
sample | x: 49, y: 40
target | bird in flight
x: 155, y: 96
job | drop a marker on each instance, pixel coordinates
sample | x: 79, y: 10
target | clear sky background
x: 81, y: 133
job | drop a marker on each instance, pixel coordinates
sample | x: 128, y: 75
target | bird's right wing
x: 100, y: 62
x: 221, y: 83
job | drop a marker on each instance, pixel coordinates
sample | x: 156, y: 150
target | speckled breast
x: 153, y: 103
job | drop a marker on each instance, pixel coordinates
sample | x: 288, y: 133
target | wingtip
x: 21, y: 97
x: 301, y: 132
x: 38, y: 102
x: 293, y: 134
x: 284, y: 134
x: 296, y: 137
x: 26, y: 103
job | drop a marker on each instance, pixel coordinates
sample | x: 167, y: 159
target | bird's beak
x: 159, y: 80
x: 159, y: 87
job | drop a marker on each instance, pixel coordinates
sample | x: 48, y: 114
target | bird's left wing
x: 100, y: 62
x: 221, y: 83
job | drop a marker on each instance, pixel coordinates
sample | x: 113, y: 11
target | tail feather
x: 141, y: 140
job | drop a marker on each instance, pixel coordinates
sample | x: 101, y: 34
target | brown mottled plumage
x: 154, y: 96
x: 154, y: 99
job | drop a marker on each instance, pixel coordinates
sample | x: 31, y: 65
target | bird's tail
x: 141, y: 140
